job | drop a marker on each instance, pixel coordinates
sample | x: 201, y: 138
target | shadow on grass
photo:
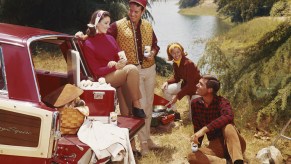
x: 159, y: 156
x: 165, y: 153
x: 162, y: 129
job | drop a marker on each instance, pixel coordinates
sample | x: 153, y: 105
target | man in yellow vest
x: 135, y: 35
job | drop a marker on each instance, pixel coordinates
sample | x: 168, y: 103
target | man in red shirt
x: 212, y: 115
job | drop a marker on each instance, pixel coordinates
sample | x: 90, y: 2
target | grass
x: 243, y: 36
x: 50, y: 61
x: 175, y: 138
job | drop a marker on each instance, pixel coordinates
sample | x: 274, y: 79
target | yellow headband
x: 172, y: 46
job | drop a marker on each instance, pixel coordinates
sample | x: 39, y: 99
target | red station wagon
x: 29, y: 129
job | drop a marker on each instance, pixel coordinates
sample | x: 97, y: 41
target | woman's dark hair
x: 91, y: 31
x: 212, y: 82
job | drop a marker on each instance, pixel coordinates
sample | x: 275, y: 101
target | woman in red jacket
x: 186, y: 75
x: 102, y: 55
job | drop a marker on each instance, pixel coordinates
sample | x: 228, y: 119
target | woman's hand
x: 164, y: 86
x: 120, y: 64
x: 111, y: 64
x: 81, y: 35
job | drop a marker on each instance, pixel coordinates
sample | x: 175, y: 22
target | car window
x: 2, y: 73
x: 48, y: 57
x: 49, y: 61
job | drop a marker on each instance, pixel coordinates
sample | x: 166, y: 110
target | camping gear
x: 156, y: 118
x: 271, y: 154
x: 100, y: 98
x: 158, y: 100
x: 162, y: 112
x: 163, y: 118
x: 65, y: 98
x: 63, y: 95
x: 113, y: 118
x: 159, y: 108
x: 162, y: 108
x: 161, y: 104
x: 71, y: 120
x: 168, y: 118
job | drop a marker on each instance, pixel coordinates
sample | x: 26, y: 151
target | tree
x: 188, y: 3
x: 252, y: 62
x: 60, y: 15
x: 244, y: 10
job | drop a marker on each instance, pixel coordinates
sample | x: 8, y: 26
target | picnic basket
x: 70, y: 120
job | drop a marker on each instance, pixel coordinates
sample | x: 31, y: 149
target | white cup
x: 113, y: 118
x: 147, y: 51
x: 194, y: 147
x: 122, y: 55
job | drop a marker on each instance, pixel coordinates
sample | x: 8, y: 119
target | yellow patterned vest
x: 126, y: 41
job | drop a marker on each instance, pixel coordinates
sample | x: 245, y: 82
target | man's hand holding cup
x: 148, y: 54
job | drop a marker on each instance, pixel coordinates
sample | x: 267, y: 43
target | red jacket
x: 189, y: 73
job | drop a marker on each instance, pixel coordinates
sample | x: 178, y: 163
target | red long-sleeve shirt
x: 98, y: 51
x: 216, y: 116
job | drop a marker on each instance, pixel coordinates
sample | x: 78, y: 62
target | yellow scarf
x: 177, y: 62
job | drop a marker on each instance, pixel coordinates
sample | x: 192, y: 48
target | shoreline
x: 207, y: 8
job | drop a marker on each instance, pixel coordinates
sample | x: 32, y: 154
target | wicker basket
x: 71, y: 120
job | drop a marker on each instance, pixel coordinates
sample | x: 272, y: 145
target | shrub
x: 187, y: 3
x: 281, y: 8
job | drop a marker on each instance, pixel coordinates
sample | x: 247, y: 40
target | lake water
x: 190, y: 31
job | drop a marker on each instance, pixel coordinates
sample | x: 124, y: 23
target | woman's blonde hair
x: 170, y: 48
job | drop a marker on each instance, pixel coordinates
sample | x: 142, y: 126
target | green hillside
x: 253, y: 61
